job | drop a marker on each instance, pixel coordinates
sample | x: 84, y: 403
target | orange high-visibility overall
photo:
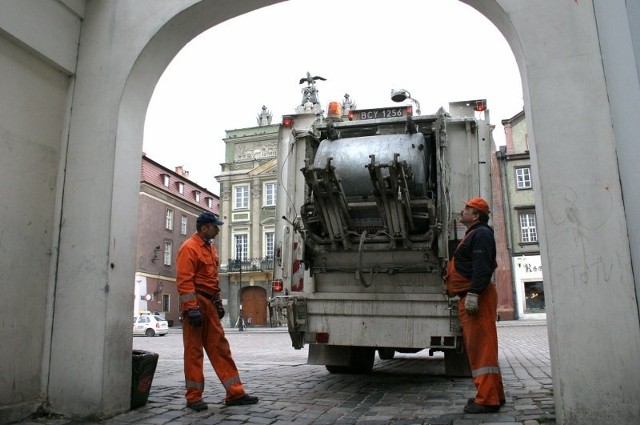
x: 480, y: 337
x: 197, y: 282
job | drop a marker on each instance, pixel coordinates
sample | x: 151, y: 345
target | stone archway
x: 594, y: 343
x: 570, y: 93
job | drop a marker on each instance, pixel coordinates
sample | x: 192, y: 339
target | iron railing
x: 248, y: 265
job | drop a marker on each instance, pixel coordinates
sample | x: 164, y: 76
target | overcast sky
x: 441, y: 51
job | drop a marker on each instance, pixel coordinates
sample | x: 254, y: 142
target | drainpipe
x: 506, y: 210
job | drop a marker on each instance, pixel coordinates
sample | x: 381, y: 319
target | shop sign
x: 529, y: 265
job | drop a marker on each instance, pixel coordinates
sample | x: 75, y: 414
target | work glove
x: 471, y: 303
x: 219, y: 308
x: 195, y: 317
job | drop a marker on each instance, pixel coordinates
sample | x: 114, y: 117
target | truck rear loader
x: 366, y: 220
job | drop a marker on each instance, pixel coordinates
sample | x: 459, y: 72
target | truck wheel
x: 386, y: 353
x: 456, y: 363
x: 337, y: 369
x: 360, y: 361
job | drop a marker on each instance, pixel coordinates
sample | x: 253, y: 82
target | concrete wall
x: 586, y: 242
x: 619, y: 29
x: 36, y: 61
x: 70, y: 144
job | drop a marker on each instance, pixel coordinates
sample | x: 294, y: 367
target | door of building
x: 254, y: 306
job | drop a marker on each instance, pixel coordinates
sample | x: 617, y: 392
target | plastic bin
x: 143, y: 368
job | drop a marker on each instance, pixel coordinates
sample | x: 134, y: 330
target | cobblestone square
x: 410, y: 389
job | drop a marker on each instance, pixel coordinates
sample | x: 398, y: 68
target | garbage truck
x: 366, y: 221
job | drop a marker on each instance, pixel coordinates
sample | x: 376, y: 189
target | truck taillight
x: 287, y: 121
x: 481, y: 105
x: 409, y: 110
x: 322, y: 337
x: 350, y: 115
x: 277, y: 285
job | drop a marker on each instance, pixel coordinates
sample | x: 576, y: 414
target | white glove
x: 471, y: 303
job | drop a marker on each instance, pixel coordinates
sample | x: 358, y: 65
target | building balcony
x: 248, y: 265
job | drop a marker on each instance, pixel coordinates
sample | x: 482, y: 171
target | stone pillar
x: 592, y: 311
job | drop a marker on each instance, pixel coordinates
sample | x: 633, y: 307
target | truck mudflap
x: 295, y: 310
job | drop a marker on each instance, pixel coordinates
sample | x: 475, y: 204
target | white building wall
x: 526, y: 269
x: 139, y: 301
x: 34, y: 100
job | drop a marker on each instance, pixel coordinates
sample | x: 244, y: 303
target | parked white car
x: 150, y: 325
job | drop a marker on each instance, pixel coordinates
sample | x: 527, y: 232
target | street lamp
x: 240, y: 321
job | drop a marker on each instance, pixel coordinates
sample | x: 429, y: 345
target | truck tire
x: 337, y: 369
x: 456, y: 363
x: 361, y: 361
x: 386, y: 353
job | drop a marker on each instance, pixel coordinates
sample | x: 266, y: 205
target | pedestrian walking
x: 469, y: 276
x: 202, y: 309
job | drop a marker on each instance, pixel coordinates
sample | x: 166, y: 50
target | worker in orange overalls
x: 469, y: 277
x: 202, y: 310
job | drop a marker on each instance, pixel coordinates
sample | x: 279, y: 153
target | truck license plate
x: 372, y: 114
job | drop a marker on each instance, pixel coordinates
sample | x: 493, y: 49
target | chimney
x: 508, y: 135
x: 181, y: 171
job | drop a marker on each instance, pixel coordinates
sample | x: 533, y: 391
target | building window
x: 269, y: 238
x: 168, y: 224
x: 241, y: 246
x: 168, y: 251
x: 165, y: 180
x: 534, y: 297
x: 183, y: 225
x: 269, y: 194
x: 181, y: 188
x: 241, y: 197
x: 523, y: 178
x: 166, y: 305
x: 196, y: 194
x: 528, y: 232
x: 209, y: 202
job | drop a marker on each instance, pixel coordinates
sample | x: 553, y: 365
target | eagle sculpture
x: 311, y: 80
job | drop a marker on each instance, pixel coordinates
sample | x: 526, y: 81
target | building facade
x: 247, y: 206
x: 168, y: 206
x: 520, y: 219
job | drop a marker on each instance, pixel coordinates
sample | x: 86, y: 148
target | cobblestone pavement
x: 410, y: 389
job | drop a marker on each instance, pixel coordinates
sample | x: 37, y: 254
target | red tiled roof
x: 152, y: 173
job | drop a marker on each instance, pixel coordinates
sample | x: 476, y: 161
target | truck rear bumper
x: 417, y: 321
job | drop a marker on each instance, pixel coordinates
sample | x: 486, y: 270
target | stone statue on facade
x: 347, y: 104
x: 264, y: 118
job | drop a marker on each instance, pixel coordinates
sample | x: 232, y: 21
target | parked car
x: 150, y: 325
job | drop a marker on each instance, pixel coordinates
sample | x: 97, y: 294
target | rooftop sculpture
x: 310, y: 102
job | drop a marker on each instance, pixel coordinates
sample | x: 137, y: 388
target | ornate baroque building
x: 248, y: 199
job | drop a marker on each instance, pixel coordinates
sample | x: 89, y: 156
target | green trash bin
x: 143, y: 367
